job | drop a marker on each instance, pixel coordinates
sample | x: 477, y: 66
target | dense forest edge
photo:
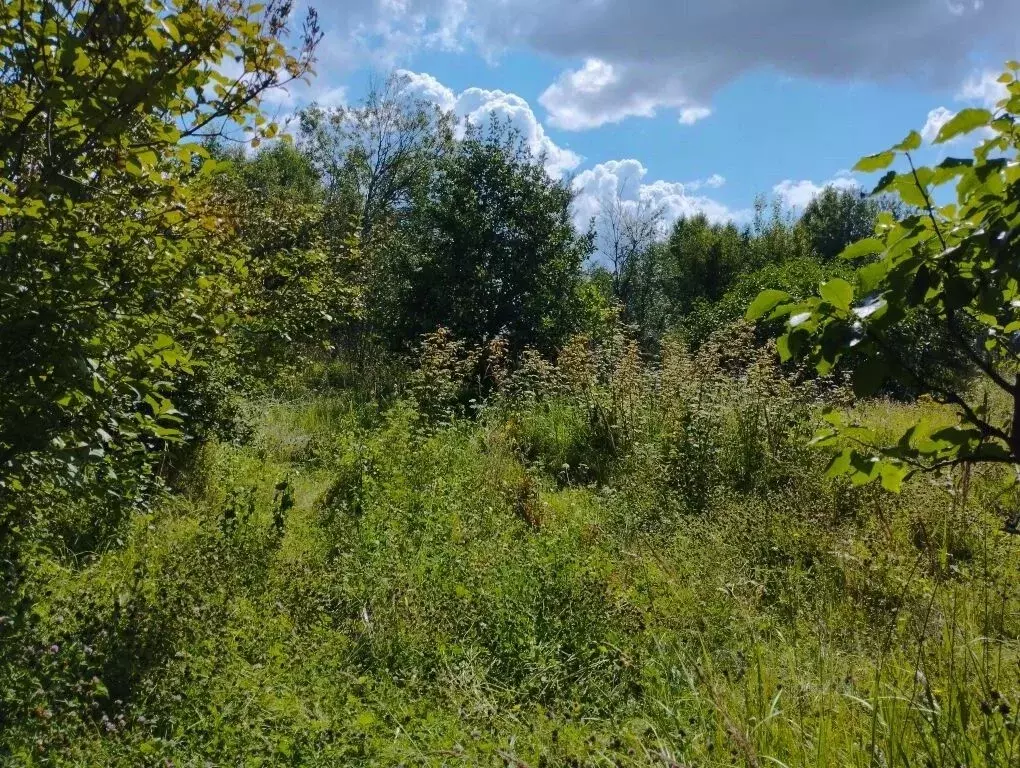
x: 340, y: 443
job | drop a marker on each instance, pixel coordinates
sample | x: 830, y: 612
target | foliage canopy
x: 957, y: 264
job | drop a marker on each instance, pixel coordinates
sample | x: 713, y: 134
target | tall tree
x: 624, y: 229
x: 111, y: 274
x: 696, y: 263
x: 492, y: 246
x: 301, y: 285
x: 837, y: 217
x: 372, y: 157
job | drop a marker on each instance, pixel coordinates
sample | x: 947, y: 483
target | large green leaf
x: 765, y: 303
x: 865, y: 247
x: 838, y: 292
x: 964, y: 121
x: 873, y: 163
x: 911, y: 142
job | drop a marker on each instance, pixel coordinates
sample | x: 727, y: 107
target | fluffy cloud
x: 797, y: 194
x: 936, y: 119
x: 642, y: 69
x: 625, y: 180
x: 596, y: 94
x: 983, y: 87
x: 636, y: 57
x: 691, y: 115
x: 600, y: 93
x: 425, y: 86
x: 479, y: 106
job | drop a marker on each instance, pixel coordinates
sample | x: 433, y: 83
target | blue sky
x: 690, y: 105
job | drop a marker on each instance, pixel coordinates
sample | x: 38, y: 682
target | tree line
x: 160, y: 257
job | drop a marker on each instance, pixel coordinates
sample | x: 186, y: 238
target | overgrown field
x: 599, y: 564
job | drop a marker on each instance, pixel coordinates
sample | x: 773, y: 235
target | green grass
x: 351, y: 586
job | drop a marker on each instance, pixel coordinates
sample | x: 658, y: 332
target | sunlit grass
x: 478, y: 595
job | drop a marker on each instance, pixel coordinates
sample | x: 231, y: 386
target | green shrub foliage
x: 493, y: 250
x: 117, y: 268
x: 949, y: 267
x: 345, y: 451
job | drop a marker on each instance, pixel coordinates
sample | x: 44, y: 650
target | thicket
x: 338, y: 449
x: 602, y: 561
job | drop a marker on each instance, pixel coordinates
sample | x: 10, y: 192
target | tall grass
x: 603, y: 561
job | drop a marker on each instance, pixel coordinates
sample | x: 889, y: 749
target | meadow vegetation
x: 602, y: 562
x: 352, y: 449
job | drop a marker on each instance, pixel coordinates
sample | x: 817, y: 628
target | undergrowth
x: 599, y: 562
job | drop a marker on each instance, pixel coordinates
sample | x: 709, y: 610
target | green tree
x: 775, y: 236
x: 115, y: 265
x: 798, y: 276
x: 301, y: 285
x: 374, y: 157
x: 959, y: 265
x: 695, y: 265
x: 491, y: 247
x: 837, y: 217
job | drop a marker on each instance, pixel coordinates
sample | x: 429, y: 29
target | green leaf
x: 966, y: 120
x: 950, y: 168
x: 783, y: 347
x: 873, y: 163
x: 912, y: 141
x: 869, y: 276
x: 884, y: 183
x: 838, y: 292
x: 865, y: 247
x: 765, y: 302
x: 865, y: 469
x: 840, y: 464
x: 162, y: 342
x: 892, y: 476
x: 910, y: 192
x: 81, y: 62
x: 171, y: 29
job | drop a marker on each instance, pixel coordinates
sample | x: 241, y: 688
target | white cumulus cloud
x: 984, y: 88
x: 797, y: 194
x: 936, y: 119
x: 425, y: 86
x: 600, y: 93
x: 636, y: 57
x: 478, y: 106
x: 639, y: 57
x: 625, y: 180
